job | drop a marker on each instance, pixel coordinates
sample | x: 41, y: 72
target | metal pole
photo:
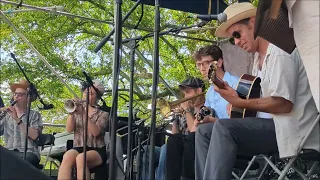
x: 130, y: 119
x: 54, y: 8
x: 28, y: 122
x: 85, y: 134
x: 116, y: 71
x: 56, y: 12
x: 138, y: 159
x: 155, y: 80
x: 105, y: 39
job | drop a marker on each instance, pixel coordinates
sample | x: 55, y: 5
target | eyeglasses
x: 19, y: 94
x: 205, y: 64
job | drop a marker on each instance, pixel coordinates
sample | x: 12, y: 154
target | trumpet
x: 166, y: 107
x: 4, y: 112
x: 71, y: 105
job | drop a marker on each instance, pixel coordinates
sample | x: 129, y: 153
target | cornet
x: 71, y: 105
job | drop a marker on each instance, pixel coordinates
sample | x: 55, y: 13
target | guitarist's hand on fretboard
x: 228, y: 93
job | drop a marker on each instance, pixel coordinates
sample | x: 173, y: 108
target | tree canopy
x: 67, y: 43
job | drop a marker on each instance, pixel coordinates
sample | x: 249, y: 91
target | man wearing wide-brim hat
x: 286, y: 100
x: 13, y: 125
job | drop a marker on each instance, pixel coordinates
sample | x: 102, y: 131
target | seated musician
x: 285, y: 94
x: 180, y: 146
x: 13, y: 125
x: 169, y: 155
x: 204, y: 57
x: 96, y: 147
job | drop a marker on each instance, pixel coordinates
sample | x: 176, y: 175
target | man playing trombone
x: 13, y: 124
x: 180, y: 146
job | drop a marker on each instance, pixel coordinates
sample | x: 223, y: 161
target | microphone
x: 222, y: 17
x: 47, y: 106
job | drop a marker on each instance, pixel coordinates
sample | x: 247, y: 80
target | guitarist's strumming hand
x: 206, y: 119
x: 229, y: 94
x: 229, y: 108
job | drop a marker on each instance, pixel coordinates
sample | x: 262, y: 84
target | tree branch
x: 176, y: 51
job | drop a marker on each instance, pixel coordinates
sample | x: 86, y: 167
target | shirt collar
x: 226, y: 76
x: 255, y: 68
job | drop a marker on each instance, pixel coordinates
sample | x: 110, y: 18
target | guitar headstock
x: 212, y: 71
x: 213, y: 78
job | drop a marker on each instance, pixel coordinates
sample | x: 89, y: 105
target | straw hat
x: 24, y: 84
x: 235, y: 13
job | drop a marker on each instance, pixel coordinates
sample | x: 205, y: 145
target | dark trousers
x: 30, y: 157
x: 180, y: 157
x: 219, y: 144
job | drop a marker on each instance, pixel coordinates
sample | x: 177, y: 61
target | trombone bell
x: 164, y: 106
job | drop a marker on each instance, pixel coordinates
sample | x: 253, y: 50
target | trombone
x: 166, y: 107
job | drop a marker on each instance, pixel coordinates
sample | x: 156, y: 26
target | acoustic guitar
x: 248, y: 87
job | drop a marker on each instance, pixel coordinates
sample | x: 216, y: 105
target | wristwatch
x: 189, y: 110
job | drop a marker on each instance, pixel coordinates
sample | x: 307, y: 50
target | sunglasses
x: 236, y: 35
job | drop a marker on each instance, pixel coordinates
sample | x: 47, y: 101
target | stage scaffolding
x: 117, y: 41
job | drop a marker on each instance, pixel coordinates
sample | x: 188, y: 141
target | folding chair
x: 304, y: 154
x: 45, y: 140
x: 241, y: 165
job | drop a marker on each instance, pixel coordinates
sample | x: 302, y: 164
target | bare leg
x: 93, y: 160
x: 68, y: 162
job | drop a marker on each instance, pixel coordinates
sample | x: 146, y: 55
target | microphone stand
x: 90, y: 84
x: 131, y: 119
x: 32, y: 94
x: 85, y: 134
x: 104, y: 107
x: 138, y: 159
x: 155, y: 79
x: 172, y: 30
